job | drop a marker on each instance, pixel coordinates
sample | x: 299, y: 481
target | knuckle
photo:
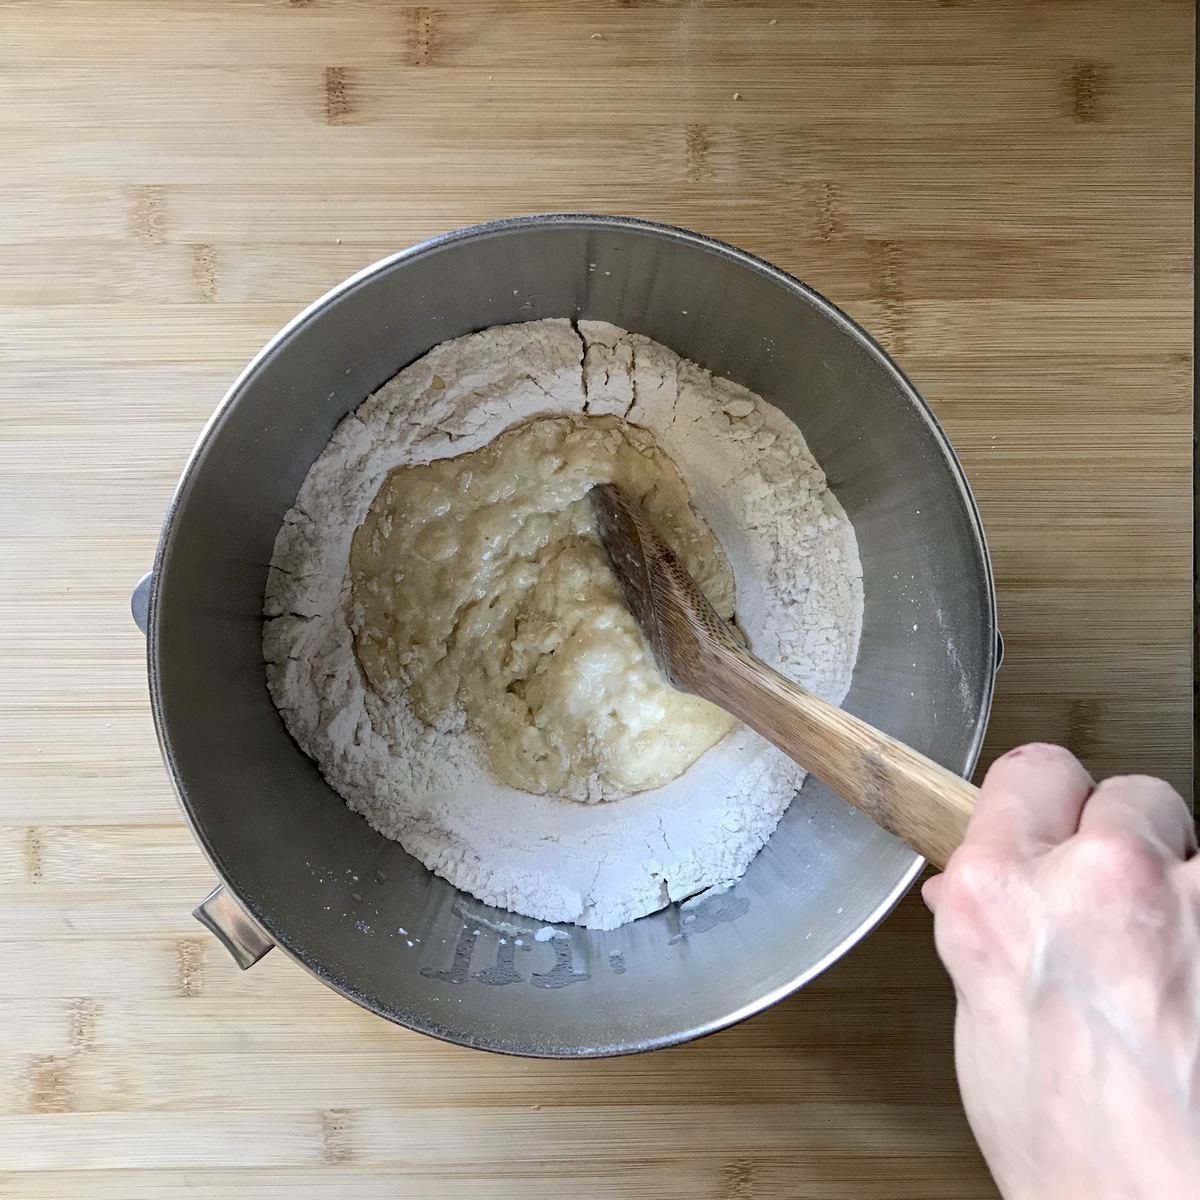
x: 1038, y: 763
x: 1145, y: 789
x: 974, y: 874
x: 1041, y: 754
x: 1149, y: 783
x: 1113, y: 858
x: 1049, y: 754
x: 975, y: 909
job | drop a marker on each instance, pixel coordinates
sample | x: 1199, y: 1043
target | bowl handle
x: 243, y: 937
x: 219, y: 912
x: 139, y: 602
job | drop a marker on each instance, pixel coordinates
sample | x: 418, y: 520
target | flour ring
x: 799, y: 591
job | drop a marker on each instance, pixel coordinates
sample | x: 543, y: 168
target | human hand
x: 1069, y: 921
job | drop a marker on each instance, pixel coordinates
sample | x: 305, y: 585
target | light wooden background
x: 1000, y: 191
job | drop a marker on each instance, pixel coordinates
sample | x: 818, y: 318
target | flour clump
x: 444, y: 637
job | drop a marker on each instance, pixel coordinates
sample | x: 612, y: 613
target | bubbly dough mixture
x: 404, y: 734
x: 479, y: 581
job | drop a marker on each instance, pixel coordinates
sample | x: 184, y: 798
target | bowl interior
x: 337, y: 895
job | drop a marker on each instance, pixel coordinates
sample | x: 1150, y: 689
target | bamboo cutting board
x: 1001, y: 192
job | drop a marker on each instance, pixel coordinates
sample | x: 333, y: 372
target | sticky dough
x: 479, y: 583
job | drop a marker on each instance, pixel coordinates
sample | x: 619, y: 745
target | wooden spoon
x: 897, y: 787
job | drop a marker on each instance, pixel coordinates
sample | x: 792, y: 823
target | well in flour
x: 789, y: 545
x: 480, y: 589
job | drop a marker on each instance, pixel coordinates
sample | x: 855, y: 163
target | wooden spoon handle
x: 908, y: 794
x: 905, y: 792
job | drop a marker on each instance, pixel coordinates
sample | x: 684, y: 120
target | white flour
x: 799, y: 600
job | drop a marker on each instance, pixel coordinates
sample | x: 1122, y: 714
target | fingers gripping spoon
x: 906, y: 793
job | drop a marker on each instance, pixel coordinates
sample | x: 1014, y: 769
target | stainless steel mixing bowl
x: 354, y: 908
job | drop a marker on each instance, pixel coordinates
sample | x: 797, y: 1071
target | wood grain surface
x: 1001, y: 192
